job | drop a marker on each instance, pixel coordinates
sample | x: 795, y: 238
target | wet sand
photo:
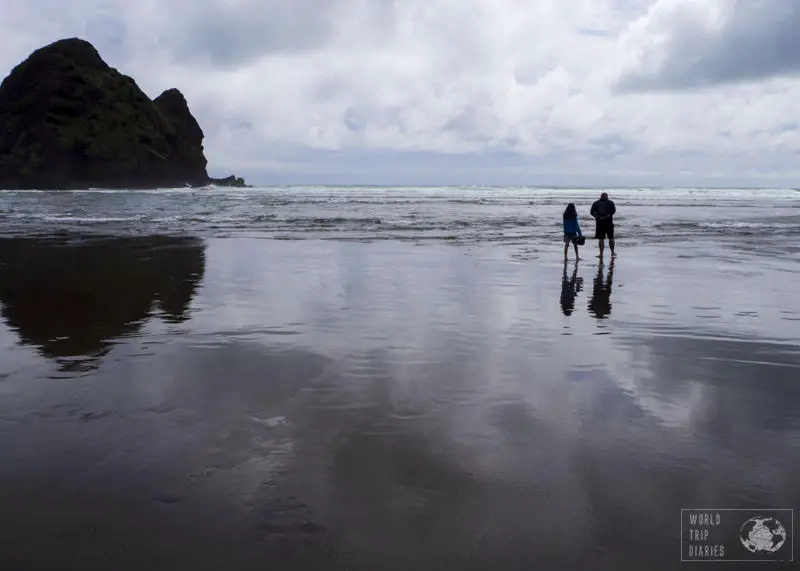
x: 177, y: 403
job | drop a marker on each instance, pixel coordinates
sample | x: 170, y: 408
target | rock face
x: 229, y: 181
x: 188, y: 154
x: 68, y: 120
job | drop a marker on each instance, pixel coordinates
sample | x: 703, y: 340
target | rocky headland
x: 70, y: 121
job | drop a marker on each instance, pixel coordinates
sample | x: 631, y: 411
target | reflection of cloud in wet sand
x: 304, y: 457
x: 441, y: 473
x: 714, y: 384
x: 73, y: 298
x: 178, y: 463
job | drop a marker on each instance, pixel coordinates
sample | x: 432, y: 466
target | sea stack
x: 70, y: 121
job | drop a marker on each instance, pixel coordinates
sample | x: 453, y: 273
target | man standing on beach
x: 603, y: 211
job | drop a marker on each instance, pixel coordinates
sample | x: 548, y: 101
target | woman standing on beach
x: 572, y: 230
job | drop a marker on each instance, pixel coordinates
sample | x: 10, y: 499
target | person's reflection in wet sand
x: 570, y: 287
x: 600, y: 301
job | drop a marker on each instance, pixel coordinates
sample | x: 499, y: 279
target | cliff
x: 69, y: 121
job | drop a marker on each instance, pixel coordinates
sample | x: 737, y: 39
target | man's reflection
x: 570, y: 287
x: 600, y: 302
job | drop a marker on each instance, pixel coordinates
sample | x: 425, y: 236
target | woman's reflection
x: 570, y: 287
x: 600, y: 302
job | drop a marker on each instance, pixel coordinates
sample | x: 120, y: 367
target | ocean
x: 464, y: 215
x: 392, y: 378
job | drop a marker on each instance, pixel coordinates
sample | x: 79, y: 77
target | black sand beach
x: 192, y: 401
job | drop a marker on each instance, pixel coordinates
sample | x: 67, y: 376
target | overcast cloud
x: 572, y: 92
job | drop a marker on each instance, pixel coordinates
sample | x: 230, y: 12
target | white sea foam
x: 463, y: 214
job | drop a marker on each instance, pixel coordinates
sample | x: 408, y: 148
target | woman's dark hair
x: 570, y: 212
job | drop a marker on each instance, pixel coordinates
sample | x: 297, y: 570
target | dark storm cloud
x: 759, y: 40
x: 228, y: 34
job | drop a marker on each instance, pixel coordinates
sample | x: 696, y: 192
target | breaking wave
x: 464, y: 214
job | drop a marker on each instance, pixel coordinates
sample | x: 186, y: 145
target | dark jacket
x: 603, y: 210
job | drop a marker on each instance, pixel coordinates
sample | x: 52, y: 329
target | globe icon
x: 762, y: 535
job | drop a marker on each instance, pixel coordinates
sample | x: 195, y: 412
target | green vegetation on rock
x: 68, y: 120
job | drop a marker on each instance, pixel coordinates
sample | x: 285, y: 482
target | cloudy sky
x: 567, y: 92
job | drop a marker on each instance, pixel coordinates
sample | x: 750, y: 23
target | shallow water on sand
x: 238, y: 403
